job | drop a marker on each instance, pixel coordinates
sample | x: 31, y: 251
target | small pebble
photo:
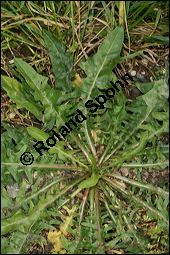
x: 12, y: 115
x: 12, y: 190
x: 125, y: 171
x: 28, y: 186
x: 133, y: 72
x: 145, y: 61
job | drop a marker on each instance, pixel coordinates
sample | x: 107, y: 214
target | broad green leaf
x: 160, y: 89
x: 62, y: 61
x: 90, y: 182
x: 20, y: 95
x: 38, y: 134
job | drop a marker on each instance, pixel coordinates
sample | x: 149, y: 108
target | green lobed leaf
x: 20, y: 221
x: 98, y: 68
x: 41, y: 92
